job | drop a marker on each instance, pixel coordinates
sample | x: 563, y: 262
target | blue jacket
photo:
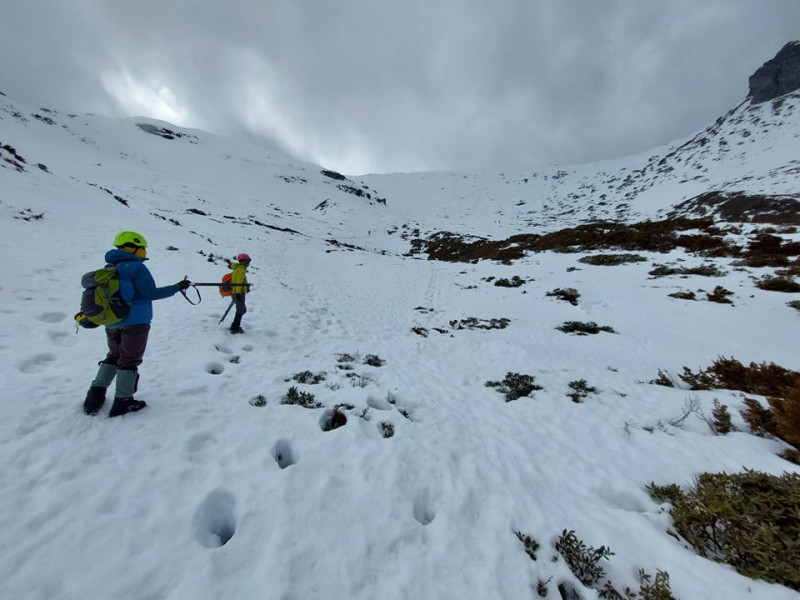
x: 136, y: 285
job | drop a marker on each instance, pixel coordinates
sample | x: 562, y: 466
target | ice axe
x: 227, y: 310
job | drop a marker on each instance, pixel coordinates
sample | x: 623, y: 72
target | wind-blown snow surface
x: 205, y: 496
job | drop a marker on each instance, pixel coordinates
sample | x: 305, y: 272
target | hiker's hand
x: 183, y: 284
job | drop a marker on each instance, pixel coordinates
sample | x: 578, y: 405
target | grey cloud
x: 390, y: 85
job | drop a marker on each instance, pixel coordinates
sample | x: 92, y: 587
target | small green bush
x: 663, y: 379
x: 309, y: 377
x: 571, y: 295
x: 516, y: 281
x: 374, y: 360
x: 721, y: 419
x: 582, y: 560
x: 515, y: 385
x: 750, y: 521
x: 387, y: 429
x: 541, y: 587
x: 580, y: 390
x: 795, y: 304
x: 475, y: 323
x: 778, y: 284
x: 649, y: 589
x: 260, y: 400
x: 584, y: 328
x: 295, y: 397
x: 531, y: 545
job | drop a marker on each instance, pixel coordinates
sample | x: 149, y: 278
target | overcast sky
x: 401, y: 85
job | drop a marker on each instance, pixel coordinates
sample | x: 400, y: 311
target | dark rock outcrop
x: 778, y: 76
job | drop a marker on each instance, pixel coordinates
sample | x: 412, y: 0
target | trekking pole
x: 217, y: 284
x: 227, y: 310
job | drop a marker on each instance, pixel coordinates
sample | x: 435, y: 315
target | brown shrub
x: 728, y: 373
x: 720, y: 295
x: 759, y: 419
x: 656, y: 236
x: 786, y: 411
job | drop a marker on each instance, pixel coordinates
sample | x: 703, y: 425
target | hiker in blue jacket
x: 127, y: 339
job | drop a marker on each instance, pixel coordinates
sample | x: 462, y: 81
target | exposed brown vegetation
x: 780, y: 386
x: 729, y: 374
x: 653, y: 236
x: 610, y: 260
x: 570, y: 295
x: 707, y: 270
x: 687, y: 295
x: 720, y: 295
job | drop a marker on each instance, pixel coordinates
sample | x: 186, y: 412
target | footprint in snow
x: 283, y: 454
x: 424, y: 511
x: 215, y: 519
x: 222, y: 348
x: 60, y: 338
x: 198, y: 445
x: 37, y: 364
x: 51, y: 317
x: 215, y: 368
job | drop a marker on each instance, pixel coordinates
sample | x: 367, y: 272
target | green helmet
x: 130, y: 238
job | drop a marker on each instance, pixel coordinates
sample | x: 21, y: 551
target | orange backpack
x: 225, y: 289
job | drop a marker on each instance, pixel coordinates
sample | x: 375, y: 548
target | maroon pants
x: 126, y: 345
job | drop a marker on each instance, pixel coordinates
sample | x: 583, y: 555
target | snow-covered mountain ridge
x: 749, y: 150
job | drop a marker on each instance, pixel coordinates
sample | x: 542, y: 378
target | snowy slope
x: 751, y: 149
x: 204, y: 495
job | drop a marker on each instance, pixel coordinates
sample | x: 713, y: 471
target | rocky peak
x: 778, y: 76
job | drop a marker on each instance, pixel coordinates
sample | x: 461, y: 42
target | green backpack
x: 101, y: 302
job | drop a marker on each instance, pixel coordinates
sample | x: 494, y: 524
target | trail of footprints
x: 218, y: 368
x: 214, y: 522
x: 332, y: 418
x: 38, y: 363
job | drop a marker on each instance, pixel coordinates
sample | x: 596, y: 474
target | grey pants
x: 126, y: 345
x: 241, y: 308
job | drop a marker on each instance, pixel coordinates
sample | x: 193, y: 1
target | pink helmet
x: 243, y: 256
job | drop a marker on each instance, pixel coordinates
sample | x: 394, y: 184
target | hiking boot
x: 122, y: 406
x: 237, y: 330
x: 95, y: 398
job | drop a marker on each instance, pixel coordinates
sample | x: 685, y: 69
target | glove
x: 183, y: 284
